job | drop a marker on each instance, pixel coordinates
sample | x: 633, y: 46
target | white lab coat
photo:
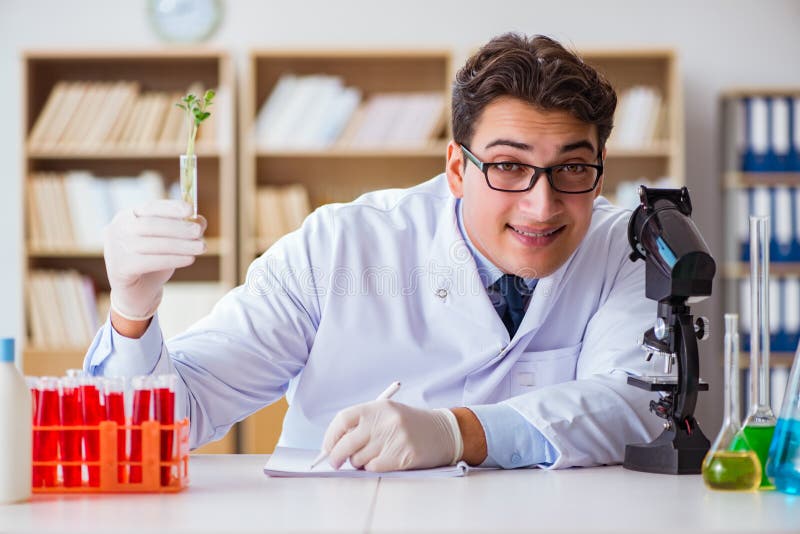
x: 385, y: 289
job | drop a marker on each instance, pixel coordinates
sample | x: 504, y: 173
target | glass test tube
x: 45, y: 442
x: 114, y: 391
x: 93, y: 412
x: 165, y: 414
x: 71, y: 415
x: 759, y: 425
x: 188, y: 168
x: 142, y: 411
x: 33, y: 385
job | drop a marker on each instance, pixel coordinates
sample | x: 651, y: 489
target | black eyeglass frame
x: 537, y: 172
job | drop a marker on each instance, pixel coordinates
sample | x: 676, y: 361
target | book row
x: 767, y: 133
x: 784, y: 313
x: 64, y: 309
x: 639, y: 119
x: 70, y: 210
x: 103, y: 116
x: 281, y: 209
x: 319, y: 111
x: 782, y: 205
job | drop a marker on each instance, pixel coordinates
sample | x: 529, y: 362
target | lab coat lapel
x: 453, y: 282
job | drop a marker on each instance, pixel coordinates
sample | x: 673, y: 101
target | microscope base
x: 671, y: 453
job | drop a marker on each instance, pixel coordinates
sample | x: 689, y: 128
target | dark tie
x: 511, y: 288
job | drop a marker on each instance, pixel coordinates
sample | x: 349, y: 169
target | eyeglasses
x: 513, y: 177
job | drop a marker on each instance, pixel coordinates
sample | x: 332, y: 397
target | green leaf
x: 179, y: 105
x: 209, y: 96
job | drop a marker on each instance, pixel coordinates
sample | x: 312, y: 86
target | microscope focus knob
x: 660, y: 329
x: 701, y: 328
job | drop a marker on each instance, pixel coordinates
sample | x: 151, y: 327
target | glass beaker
x: 783, y: 466
x: 759, y: 426
x: 723, y: 468
x: 189, y: 181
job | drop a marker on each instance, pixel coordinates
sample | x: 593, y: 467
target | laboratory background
x: 684, y: 72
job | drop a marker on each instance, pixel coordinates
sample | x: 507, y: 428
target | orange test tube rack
x: 110, y: 465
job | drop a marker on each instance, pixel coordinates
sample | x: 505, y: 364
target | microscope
x: 679, y: 271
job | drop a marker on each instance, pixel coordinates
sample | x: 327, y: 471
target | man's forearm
x: 475, y: 449
x: 128, y: 328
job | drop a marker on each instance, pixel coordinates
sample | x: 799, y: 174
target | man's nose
x: 541, y: 203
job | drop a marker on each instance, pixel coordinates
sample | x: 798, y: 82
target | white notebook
x: 289, y: 462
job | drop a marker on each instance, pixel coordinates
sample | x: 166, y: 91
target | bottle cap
x: 7, y: 349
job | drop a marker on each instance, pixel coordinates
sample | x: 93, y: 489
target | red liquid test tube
x: 115, y: 411
x: 70, y: 409
x: 45, y: 442
x: 93, y: 413
x: 142, y: 404
x: 165, y: 414
x: 33, y: 385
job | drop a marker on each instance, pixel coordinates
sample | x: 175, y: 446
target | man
x: 510, y: 315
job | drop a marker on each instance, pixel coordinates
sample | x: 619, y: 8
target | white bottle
x: 16, y: 436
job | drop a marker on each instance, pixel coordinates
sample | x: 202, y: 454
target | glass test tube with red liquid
x: 142, y: 411
x: 93, y: 412
x: 33, y: 385
x: 165, y: 414
x: 71, y: 415
x: 114, y: 389
x: 45, y: 442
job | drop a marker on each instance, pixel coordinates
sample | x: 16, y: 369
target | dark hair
x: 537, y: 70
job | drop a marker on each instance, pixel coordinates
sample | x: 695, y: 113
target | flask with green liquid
x: 723, y: 468
x: 759, y: 426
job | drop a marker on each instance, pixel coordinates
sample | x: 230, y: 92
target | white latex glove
x: 383, y: 435
x: 142, y: 248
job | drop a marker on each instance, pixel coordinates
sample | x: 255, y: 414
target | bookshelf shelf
x: 737, y: 180
x: 215, y: 247
x: 93, y: 77
x: 776, y: 359
x: 203, y: 152
x: 436, y: 150
x: 738, y: 270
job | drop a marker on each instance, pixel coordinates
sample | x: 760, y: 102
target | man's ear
x: 455, y: 169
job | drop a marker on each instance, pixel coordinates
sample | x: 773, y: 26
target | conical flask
x: 759, y: 426
x: 783, y: 466
x: 723, y: 468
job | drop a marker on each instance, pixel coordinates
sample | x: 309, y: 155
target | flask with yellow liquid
x: 723, y: 468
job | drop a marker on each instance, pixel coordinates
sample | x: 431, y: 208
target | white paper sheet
x: 289, y: 462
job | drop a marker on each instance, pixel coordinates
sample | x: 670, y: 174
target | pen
x: 388, y: 393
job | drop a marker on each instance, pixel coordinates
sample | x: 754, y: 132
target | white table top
x: 229, y: 493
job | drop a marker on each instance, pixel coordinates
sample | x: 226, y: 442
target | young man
x: 500, y: 294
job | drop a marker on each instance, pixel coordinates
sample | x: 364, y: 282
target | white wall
x: 721, y: 44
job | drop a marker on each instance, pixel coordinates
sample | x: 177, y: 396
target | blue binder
x: 756, y: 155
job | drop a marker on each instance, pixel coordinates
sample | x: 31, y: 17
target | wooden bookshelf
x: 168, y: 72
x: 334, y: 174
x: 665, y: 156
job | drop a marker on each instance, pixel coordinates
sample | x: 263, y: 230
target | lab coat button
x: 441, y: 293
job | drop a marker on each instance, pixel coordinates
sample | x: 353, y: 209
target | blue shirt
x: 511, y: 441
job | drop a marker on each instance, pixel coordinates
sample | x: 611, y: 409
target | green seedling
x: 196, y: 110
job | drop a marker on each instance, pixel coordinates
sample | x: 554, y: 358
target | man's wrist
x: 128, y: 328
x: 473, y: 436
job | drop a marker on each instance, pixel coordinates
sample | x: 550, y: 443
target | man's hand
x: 143, y: 246
x: 388, y: 436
